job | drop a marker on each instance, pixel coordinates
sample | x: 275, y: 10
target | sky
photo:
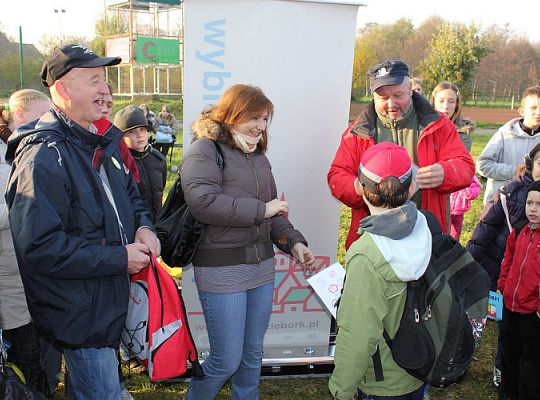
x: 38, y: 17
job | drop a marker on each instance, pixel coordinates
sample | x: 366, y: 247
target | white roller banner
x: 300, y: 53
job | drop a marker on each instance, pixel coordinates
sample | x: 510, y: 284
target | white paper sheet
x: 328, y: 284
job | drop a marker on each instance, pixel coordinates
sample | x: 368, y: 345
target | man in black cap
x: 399, y: 115
x: 78, y: 223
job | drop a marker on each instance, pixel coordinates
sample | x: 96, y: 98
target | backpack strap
x: 377, y: 365
x: 376, y: 357
x: 219, y: 156
x: 433, y: 223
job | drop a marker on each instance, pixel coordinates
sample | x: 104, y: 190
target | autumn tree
x: 417, y: 45
x: 376, y: 43
x: 454, y: 54
x: 510, y: 68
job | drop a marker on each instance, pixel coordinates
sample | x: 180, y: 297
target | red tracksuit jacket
x: 520, y: 271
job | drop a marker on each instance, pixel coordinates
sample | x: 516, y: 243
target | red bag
x: 156, y: 330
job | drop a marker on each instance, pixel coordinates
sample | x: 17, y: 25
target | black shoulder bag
x: 178, y: 231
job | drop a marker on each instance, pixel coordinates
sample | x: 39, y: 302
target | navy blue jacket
x: 488, y: 242
x: 68, y: 240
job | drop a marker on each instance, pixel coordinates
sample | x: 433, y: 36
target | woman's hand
x: 538, y: 314
x: 304, y: 256
x: 276, y: 207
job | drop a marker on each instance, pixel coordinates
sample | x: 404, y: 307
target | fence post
x: 21, y: 66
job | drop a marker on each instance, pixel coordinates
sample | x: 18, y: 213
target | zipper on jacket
x: 395, y: 132
x: 521, y: 270
x: 257, y: 194
x: 254, y: 173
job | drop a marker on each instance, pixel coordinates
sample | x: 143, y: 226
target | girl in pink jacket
x: 460, y: 203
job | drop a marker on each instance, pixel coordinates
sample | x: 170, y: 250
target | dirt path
x: 493, y: 115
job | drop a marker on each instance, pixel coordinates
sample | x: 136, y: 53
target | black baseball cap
x: 391, y: 72
x: 64, y: 59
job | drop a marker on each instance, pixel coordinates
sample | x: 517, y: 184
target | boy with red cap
x: 394, y: 248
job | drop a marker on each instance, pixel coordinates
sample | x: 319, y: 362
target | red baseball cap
x: 382, y: 161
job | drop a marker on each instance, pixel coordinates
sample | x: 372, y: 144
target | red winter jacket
x: 438, y: 142
x: 520, y: 271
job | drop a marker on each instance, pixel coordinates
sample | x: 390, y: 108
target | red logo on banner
x: 145, y: 50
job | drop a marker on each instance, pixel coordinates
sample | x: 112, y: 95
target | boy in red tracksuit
x: 520, y: 285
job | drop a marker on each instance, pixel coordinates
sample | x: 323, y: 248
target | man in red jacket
x: 399, y: 115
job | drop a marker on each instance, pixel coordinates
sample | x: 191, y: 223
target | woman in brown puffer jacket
x: 234, y: 264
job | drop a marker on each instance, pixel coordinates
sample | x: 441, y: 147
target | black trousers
x: 163, y: 148
x: 520, y: 336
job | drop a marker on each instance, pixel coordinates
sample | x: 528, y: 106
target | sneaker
x: 496, y: 377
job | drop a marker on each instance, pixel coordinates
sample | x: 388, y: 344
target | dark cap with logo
x: 387, y: 73
x: 64, y: 59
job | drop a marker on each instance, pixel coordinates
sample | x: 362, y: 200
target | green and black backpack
x: 444, y: 315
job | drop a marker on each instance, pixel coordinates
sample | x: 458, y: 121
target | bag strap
x: 432, y: 222
x: 377, y: 365
x: 153, y: 266
x: 219, y: 156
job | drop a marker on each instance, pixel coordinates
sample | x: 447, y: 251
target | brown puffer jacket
x: 232, y: 202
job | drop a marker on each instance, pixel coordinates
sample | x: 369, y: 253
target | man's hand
x: 138, y: 257
x: 148, y: 237
x: 430, y: 177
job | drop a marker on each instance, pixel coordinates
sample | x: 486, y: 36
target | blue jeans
x: 236, y: 323
x: 418, y: 394
x: 93, y: 374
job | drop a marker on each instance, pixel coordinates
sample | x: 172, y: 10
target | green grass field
x: 476, y: 385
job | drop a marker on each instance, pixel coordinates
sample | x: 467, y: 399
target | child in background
x: 446, y: 99
x: 520, y: 285
x: 503, y: 155
x: 150, y: 116
x: 460, y: 203
x: 167, y: 129
x: 152, y: 165
x: 418, y: 86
